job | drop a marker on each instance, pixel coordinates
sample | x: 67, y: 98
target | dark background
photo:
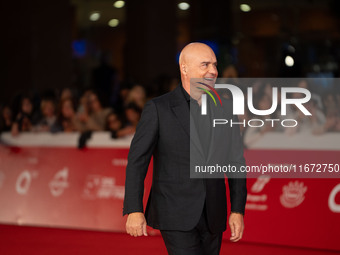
x: 54, y: 45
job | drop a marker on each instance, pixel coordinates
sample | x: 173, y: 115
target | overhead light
x: 183, y: 6
x: 289, y: 61
x: 94, y: 16
x: 113, y: 22
x: 245, y: 7
x: 119, y: 4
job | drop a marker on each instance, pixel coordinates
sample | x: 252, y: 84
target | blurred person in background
x: 330, y: 103
x: 66, y: 93
x: 24, y: 118
x: 48, y: 121
x: 332, y: 122
x: 136, y: 95
x: 332, y: 110
x: 307, y: 124
x: 123, y: 93
x: 67, y: 119
x: 113, y: 124
x: 5, y: 118
x: 314, y: 96
x: 253, y: 134
x: 132, y: 115
x: 97, y: 114
x: 83, y: 107
x: 90, y: 112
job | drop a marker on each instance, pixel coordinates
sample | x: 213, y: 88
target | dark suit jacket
x: 176, y: 201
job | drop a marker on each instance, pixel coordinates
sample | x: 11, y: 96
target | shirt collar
x: 186, y: 95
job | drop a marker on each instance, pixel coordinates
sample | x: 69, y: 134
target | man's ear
x: 184, y: 69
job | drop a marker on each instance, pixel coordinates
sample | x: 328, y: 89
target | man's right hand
x: 136, y: 224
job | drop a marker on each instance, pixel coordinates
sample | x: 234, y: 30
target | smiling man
x: 191, y: 213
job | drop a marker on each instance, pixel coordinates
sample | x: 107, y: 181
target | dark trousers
x: 198, y: 241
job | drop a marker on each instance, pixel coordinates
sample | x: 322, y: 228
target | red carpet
x: 33, y: 240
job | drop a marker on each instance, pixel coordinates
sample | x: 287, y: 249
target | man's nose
x: 213, y: 70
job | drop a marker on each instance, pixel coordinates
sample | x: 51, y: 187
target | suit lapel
x: 181, y: 110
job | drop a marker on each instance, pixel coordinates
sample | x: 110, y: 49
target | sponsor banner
x: 288, y: 212
x: 66, y: 187
x: 63, y: 187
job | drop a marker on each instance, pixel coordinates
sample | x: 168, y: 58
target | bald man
x: 191, y: 213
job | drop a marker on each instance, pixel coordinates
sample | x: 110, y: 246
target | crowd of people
x: 323, y: 106
x: 67, y: 112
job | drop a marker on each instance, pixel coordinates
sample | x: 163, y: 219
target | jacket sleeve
x: 141, y: 150
x: 237, y: 181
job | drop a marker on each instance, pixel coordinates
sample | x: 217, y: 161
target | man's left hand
x: 236, y: 225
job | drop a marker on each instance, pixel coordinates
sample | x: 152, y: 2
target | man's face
x: 203, y: 65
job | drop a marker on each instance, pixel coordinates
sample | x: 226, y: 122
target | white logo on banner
x: 24, y: 181
x: 293, y: 194
x: 253, y: 200
x: 260, y: 183
x: 102, y: 187
x: 333, y: 206
x: 2, y: 178
x: 59, y: 182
